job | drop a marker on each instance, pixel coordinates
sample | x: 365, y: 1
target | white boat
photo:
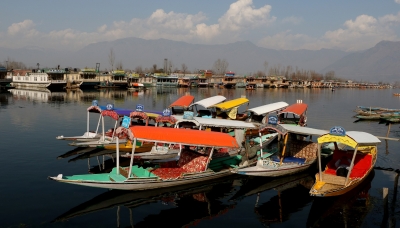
x: 192, y: 167
x: 260, y: 114
x: 296, y: 154
x: 361, y: 153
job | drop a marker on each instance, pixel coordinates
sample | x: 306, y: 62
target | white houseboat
x: 51, y: 79
x: 167, y: 81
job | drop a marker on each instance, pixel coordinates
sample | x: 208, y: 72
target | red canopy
x: 184, y: 101
x: 297, y: 109
x: 184, y: 136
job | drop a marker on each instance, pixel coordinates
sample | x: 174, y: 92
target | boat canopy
x: 231, y: 104
x: 352, y: 139
x: 208, y: 122
x: 285, y: 128
x: 184, y: 136
x: 297, y: 109
x: 208, y: 102
x: 264, y: 109
x: 184, y: 101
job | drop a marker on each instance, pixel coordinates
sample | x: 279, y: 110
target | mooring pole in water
x: 385, y: 207
x: 388, y: 131
x: 392, y: 220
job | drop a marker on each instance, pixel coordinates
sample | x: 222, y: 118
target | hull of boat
x: 273, y: 172
x: 96, y: 143
x: 142, y: 184
x: 87, y: 136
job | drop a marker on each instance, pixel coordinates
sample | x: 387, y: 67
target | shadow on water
x: 291, y: 194
x: 195, y: 202
x: 348, y: 210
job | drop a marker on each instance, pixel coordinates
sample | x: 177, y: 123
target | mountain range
x: 376, y: 64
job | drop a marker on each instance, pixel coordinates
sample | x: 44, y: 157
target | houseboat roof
x: 210, y: 101
x: 231, y: 104
x: 264, y: 109
x: 184, y: 101
x: 184, y: 136
x: 297, y: 109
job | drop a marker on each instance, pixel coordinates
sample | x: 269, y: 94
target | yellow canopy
x: 231, y: 104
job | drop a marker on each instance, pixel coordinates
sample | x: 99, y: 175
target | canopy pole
x: 132, y: 155
x: 284, y: 147
x: 209, y: 158
x: 351, y: 165
x: 261, y: 146
x: 87, y: 125
x: 117, y: 149
x: 102, y: 120
x: 115, y: 126
x: 319, y: 162
x: 98, y: 124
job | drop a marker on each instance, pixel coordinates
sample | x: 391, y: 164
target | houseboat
x: 89, y: 77
x: 118, y: 78
x: 4, y: 80
x: 167, y: 81
x: 229, y: 80
x: 252, y: 82
x: 203, y: 82
x: 51, y: 79
x: 184, y: 82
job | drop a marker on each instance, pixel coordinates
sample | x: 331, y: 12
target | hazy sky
x: 278, y: 24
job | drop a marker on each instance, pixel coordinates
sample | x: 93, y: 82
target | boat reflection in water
x: 347, y: 210
x: 192, y: 203
x: 292, y: 194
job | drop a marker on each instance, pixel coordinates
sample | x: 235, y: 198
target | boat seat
x: 362, y: 163
x: 189, y: 162
x: 302, y: 149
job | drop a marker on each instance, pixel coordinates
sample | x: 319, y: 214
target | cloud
x: 242, y: 15
x: 397, y: 1
x: 21, y: 28
x: 293, y: 20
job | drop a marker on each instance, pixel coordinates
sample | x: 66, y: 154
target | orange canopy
x: 297, y: 109
x: 184, y: 136
x: 184, y: 101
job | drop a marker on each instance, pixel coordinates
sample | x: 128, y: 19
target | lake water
x: 31, y: 121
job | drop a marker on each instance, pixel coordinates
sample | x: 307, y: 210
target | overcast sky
x: 279, y: 24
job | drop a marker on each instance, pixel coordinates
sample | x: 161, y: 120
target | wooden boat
x: 294, y: 114
x: 191, y: 167
x: 362, y: 152
x: 95, y: 135
x: 370, y: 117
x: 207, y: 103
x: 396, y: 94
x: 297, y: 154
x: 229, y: 109
x: 260, y: 114
x: 181, y: 105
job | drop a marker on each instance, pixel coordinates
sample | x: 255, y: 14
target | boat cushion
x: 289, y: 159
x: 362, y: 163
x: 189, y: 162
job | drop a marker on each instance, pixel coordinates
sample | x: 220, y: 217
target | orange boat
x: 294, y: 114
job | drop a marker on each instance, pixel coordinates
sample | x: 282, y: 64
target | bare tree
x: 154, y: 68
x: 170, y: 65
x: 139, y: 69
x: 220, y: 66
x: 119, y: 65
x: 111, y: 58
x: 265, y: 67
x: 184, y: 68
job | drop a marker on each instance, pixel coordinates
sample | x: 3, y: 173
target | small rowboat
x: 362, y: 150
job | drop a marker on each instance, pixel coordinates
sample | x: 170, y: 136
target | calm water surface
x: 29, y: 151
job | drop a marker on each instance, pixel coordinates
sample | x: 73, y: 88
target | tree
x: 220, y: 66
x: 184, y: 68
x: 265, y: 67
x: 139, y: 69
x: 154, y: 68
x: 111, y: 58
x: 119, y: 65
